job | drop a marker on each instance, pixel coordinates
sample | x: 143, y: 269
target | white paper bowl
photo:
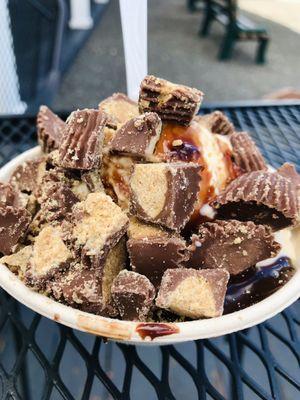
x: 126, y: 330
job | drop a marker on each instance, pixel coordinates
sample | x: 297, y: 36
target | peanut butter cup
x: 218, y: 122
x: 50, y: 129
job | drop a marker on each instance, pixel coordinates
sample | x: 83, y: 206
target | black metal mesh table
x: 40, y: 359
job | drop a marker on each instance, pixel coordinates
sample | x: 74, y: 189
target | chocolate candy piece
x: 50, y: 255
x: 165, y: 193
x: 151, y: 256
x: 57, y: 202
x: 133, y: 295
x: 260, y: 196
x: 9, y: 196
x: 92, y: 179
x: 18, y: 262
x: 89, y: 289
x: 217, y: 122
x: 231, y: 245
x: 28, y: 175
x: 98, y: 225
x: 289, y: 171
x: 138, y: 136
x: 50, y: 129
x: 138, y: 229
x: 170, y: 101
x: 245, y: 153
x: 13, y: 225
x: 120, y: 108
x: 82, y: 142
x: 193, y: 293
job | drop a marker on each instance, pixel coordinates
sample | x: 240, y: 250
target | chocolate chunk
x: 93, y: 181
x: 193, y: 293
x: 89, y: 289
x: 217, y: 122
x: 82, y: 141
x: 98, y: 225
x: 138, y: 136
x: 231, y: 245
x: 57, y: 202
x: 170, y: 101
x: 18, y: 261
x: 120, y: 108
x: 151, y: 256
x: 50, y: 129
x: 245, y: 153
x: 133, y: 295
x: 262, y: 197
x: 289, y: 171
x: 50, y: 255
x: 13, y: 225
x: 9, y: 196
x: 165, y: 193
x: 28, y: 175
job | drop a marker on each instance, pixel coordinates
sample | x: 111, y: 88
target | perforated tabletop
x: 40, y: 359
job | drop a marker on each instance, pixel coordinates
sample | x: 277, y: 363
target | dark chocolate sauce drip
x: 153, y: 330
x: 187, y: 152
x: 257, y: 283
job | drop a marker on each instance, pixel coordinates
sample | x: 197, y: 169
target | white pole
x: 134, y: 27
x: 10, y: 100
x: 80, y: 14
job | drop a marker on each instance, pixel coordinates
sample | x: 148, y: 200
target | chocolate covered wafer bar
x: 13, y: 226
x: 50, y: 129
x: 120, y: 108
x: 138, y: 136
x: 165, y: 194
x: 82, y: 142
x: 89, y: 289
x: 262, y: 197
x: 50, y: 255
x: 231, y: 245
x: 151, y: 256
x: 133, y: 295
x: 245, y: 153
x: 170, y: 101
x: 193, y: 293
x: 217, y: 122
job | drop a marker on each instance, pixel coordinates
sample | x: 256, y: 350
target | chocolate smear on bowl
x: 153, y: 330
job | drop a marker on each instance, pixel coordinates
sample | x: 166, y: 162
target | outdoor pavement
x: 177, y: 53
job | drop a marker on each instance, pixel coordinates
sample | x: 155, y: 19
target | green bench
x: 237, y: 27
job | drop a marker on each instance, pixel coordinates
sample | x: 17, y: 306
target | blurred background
x: 69, y: 53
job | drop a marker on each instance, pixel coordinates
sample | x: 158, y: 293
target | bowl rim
x: 126, y: 331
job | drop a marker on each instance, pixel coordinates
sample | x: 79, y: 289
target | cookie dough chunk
x: 217, y: 122
x: 231, y: 245
x: 245, y: 153
x: 50, y: 129
x: 151, y: 256
x: 89, y: 289
x: 49, y: 256
x: 133, y: 295
x: 193, y: 293
x: 98, y: 224
x: 120, y: 108
x: 28, y: 176
x: 165, y: 194
x: 170, y: 101
x: 13, y: 226
x: 81, y: 146
x: 138, y: 136
x: 262, y: 197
